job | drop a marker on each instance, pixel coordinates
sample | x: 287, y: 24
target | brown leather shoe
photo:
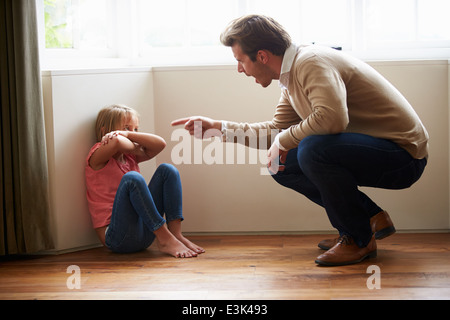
x: 347, y: 252
x: 381, y: 225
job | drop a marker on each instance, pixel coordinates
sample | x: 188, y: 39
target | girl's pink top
x: 102, y: 185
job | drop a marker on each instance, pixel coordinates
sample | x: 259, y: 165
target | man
x: 342, y: 125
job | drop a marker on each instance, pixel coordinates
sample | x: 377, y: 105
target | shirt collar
x: 286, y: 65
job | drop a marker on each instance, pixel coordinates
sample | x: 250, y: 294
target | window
x: 420, y: 24
x: 78, y: 24
x: 173, y: 30
x: 187, y: 31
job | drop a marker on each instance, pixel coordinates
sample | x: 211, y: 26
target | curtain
x: 25, y: 217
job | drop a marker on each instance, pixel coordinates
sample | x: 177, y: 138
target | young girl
x: 126, y: 213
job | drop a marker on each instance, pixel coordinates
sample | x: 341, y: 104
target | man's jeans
x: 138, y: 209
x: 328, y: 169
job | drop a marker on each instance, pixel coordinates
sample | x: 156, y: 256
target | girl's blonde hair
x: 110, y: 117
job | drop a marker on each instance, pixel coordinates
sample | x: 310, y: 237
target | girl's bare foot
x: 175, y: 228
x: 197, y: 249
x: 167, y: 243
x: 176, y: 249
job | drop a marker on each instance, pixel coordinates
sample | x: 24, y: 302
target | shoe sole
x: 384, y: 233
x: 372, y: 254
x: 379, y: 235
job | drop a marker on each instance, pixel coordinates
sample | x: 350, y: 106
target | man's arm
x: 209, y: 126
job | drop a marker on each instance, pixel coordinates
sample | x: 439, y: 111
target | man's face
x: 257, y: 69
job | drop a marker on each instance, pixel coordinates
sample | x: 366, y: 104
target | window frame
x: 126, y: 49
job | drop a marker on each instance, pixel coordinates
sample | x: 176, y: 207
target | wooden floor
x: 274, y: 267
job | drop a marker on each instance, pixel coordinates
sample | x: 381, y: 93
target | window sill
x: 71, y: 69
x: 196, y: 61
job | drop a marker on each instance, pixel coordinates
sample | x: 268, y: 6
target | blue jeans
x: 328, y: 169
x: 139, y: 208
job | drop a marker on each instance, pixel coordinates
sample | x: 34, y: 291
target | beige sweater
x: 331, y: 92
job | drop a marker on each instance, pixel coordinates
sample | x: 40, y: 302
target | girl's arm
x: 144, y: 146
x: 111, y: 145
x: 147, y: 145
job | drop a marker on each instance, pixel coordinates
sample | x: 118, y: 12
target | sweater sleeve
x: 261, y: 135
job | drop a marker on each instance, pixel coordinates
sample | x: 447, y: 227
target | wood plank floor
x: 268, y: 267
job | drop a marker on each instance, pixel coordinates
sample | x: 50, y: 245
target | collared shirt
x: 286, y: 66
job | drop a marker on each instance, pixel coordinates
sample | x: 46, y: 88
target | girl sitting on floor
x: 127, y: 214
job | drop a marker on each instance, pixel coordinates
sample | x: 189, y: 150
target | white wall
x: 227, y: 198
x: 238, y: 198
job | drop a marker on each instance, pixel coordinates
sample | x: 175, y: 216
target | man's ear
x: 263, y: 56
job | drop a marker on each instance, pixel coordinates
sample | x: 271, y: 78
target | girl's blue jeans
x: 328, y: 169
x: 139, y: 208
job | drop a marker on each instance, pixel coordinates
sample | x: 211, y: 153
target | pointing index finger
x: 180, y: 121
